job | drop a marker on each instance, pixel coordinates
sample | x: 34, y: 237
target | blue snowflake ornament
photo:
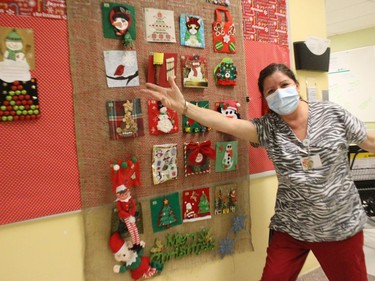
x: 238, y: 223
x: 226, y: 246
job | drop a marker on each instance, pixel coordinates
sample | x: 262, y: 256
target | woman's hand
x: 170, y: 97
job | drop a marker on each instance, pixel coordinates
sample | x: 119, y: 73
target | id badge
x: 311, y: 162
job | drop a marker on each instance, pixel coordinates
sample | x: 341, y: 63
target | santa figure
x: 138, y: 265
x: 228, y: 157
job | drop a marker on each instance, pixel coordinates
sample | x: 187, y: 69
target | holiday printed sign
x: 196, y: 204
x: 194, y: 71
x: 52, y: 9
x: 225, y: 199
x: 125, y: 119
x: 162, y: 120
x: 191, y: 126
x: 160, y: 26
x: 164, y: 163
x: 121, y: 68
x: 226, y: 156
x: 197, y: 157
x: 165, y: 212
x: 191, y: 31
x: 119, y: 22
x: 265, y: 21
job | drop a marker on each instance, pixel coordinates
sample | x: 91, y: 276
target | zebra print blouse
x: 321, y: 203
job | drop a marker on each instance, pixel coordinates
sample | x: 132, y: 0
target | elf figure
x: 138, y: 265
x: 126, y: 205
x: 164, y: 124
x: 228, y: 157
x: 121, y: 19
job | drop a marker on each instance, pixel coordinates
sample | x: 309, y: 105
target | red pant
x: 340, y: 260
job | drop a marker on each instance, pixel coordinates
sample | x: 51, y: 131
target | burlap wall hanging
x: 223, y: 194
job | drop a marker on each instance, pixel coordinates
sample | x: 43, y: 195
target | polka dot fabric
x: 39, y: 171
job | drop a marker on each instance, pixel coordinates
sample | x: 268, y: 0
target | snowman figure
x: 228, y: 157
x: 14, y: 47
x: 164, y: 124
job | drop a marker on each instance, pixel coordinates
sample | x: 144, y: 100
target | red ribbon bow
x: 204, y: 148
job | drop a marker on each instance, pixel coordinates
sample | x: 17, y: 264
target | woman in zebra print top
x: 317, y: 206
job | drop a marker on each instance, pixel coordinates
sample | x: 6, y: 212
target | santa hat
x: 118, y: 177
x: 231, y: 104
x: 116, y: 243
x: 125, y: 174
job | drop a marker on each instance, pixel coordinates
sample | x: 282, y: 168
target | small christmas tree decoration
x: 165, y: 212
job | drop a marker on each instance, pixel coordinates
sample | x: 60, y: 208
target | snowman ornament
x: 164, y: 124
x: 228, y: 157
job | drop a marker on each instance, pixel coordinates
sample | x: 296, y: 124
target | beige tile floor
x: 318, y: 275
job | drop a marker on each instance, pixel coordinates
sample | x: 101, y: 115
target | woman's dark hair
x: 271, y: 69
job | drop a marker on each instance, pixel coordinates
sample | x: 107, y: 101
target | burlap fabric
x: 95, y: 149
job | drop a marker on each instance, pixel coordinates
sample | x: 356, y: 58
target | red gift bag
x: 223, y: 32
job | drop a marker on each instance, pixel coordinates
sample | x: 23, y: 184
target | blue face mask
x: 284, y: 100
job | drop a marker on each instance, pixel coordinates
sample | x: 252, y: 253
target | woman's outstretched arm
x: 173, y: 98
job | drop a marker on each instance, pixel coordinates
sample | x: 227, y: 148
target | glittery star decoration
x: 226, y: 246
x: 238, y: 223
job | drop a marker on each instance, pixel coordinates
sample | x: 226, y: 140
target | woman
x: 317, y: 206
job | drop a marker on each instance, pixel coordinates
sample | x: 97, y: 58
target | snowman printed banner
x: 165, y: 212
x: 160, y: 26
x: 162, y: 120
x: 164, y: 163
x: 121, y: 68
x: 226, y: 156
x: 196, y: 205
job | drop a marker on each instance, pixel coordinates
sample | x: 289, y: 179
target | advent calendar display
x: 19, y: 100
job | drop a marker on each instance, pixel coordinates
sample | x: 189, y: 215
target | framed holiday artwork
x: 197, y: 157
x: 160, y: 26
x: 160, y: 67
x: 125, y: 119
x: 121, y: 68
x: 19, y: 99
x: 165, y: 212
x: 194, y: 71
x: 225, y: 199
x: 162, y: 120
x: 164, y: 163
x: 228, y: 108
x: 119, y: 22
x: 191, y: 126
x: 226, y: 156
x: 191, y: 31
x: 196, y: 205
